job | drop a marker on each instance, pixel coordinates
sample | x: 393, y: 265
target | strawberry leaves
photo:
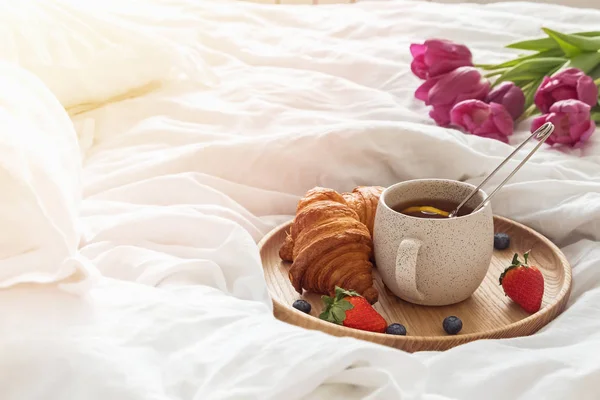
x: 515, y: 263
x: 339, y: 311
x: 336, y: 307
x: 335, y: 311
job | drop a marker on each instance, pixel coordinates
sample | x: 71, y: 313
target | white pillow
x: 88, y: 52
x: 39, y: 184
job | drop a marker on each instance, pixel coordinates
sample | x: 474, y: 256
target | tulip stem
x: 488, y: 67
x: 527, y: 113
x: 493, y: 74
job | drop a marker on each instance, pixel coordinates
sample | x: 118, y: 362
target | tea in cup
x: 423, y: 256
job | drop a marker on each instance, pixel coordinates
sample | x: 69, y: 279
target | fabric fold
x: 40, y: 180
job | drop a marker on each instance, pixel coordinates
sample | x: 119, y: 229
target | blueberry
x: 501, y: 241
x: 302, y: 305
x: 396, y: 329
x: 452, y: 325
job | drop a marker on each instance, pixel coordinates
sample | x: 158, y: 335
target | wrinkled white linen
x: 180, y: 184
x: 40, y: 172
x: 88, y: 52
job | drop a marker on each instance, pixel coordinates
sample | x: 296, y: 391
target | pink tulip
x: 572, y: 123
x: 436, y: 57
x: 444, y: 91
x: 487, y: 120
x: 510, y: 96
x: 569, y: 84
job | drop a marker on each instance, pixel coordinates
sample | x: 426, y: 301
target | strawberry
x: 524, y: 284
x: 350, y: 309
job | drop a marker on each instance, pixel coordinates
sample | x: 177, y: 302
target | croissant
x: 329, y: 245
x: 364, y: 200
x: 314, y: 195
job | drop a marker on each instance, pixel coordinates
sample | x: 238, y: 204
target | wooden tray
x: 487, y: 314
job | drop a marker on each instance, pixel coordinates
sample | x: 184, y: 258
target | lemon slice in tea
x: 425, y: 210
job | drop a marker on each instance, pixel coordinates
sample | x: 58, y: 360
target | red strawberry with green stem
x: 350, y: 309
x: 523, y: 283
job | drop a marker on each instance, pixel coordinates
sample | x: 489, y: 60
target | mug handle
x: 406, y: 267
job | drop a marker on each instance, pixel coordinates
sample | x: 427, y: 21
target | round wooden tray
x: 487, y: 314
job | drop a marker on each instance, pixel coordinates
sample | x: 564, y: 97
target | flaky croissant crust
x: 330, y: 241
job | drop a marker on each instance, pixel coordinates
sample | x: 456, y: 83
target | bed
x: 139, y: 178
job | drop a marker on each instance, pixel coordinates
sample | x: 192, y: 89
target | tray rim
x: 556, y: 307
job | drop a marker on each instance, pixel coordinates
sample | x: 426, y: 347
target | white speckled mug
x: 432, y: 261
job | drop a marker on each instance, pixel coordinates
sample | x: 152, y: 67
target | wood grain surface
x: 485, y: 315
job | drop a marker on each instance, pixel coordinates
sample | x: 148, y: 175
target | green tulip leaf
x: 595, y: 74
x: 567, y: 47
x: 532, y: 69
x: 587, y: 62
x: 596, y: 116
x: 574, y: 44
x: 513, y: 62
x: 522, y: 83
x: 545, y: 43
x: 487, y: 67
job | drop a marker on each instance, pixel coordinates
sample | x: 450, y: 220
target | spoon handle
x: 542, y: 133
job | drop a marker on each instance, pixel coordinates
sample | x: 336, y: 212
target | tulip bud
x: 436, y: 57
x: 486, y: 120
x: 572, y: 123
x: 444, y: 91
x: 568, y: 84
x: 510, y: 96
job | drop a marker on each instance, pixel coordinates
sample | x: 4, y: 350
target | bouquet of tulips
x: 556, y: 81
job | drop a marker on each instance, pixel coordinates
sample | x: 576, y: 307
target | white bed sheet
x: 180, y: 184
